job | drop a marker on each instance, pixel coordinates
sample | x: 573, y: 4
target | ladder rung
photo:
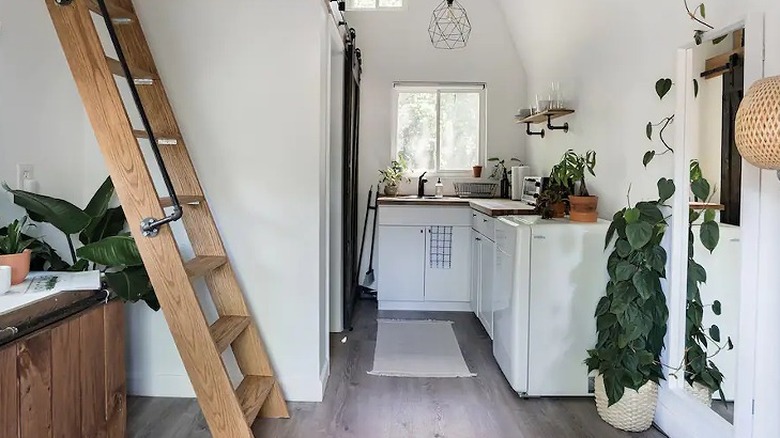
x: 140, y: 77
x: 162, y: 141
x: 202, y: 265
x: 227, y: 329
x: 119, y: 15
x: 183, y: 199
x: 252, y: 393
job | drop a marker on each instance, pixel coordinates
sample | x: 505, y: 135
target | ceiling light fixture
x: 450, y: 27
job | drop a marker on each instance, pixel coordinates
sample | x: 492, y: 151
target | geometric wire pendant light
x: 450, y: 27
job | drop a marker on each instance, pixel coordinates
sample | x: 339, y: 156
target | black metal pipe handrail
x: 150, y: 226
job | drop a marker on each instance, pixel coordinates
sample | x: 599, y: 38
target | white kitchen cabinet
x: 402, y: 261
x: 451, y: 282
x: 476, y: 270
x: 488, y: 251
x: 424, y: 258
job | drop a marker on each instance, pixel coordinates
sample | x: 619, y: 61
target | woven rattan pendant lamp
x: 450, y: 27
x: 758, y: 124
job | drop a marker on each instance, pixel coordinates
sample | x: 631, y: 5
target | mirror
x: 708, y: 372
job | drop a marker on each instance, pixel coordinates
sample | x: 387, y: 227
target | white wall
x: 612, y: 54
x: 41, y: 117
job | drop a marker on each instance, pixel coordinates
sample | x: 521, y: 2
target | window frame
x: 377, y: 8
x: 479, y: 88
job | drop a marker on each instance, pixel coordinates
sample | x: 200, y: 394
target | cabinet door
x: 447, y: 264
x: 401, y: 263
x: 476, y: 271
x: 486, y: 299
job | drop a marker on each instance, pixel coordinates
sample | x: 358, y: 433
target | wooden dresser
x: 63, y: 373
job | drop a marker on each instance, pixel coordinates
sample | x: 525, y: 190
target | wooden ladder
x: 229, y: 411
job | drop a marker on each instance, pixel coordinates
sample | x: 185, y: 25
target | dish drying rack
x: 475, y: 190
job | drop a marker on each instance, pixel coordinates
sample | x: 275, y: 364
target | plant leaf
x: 625, y: 270
x: 703, y: 10
x: 662, y: 87
x: 716, y: 307
x: 710, y: 235
x: 647, y: 283
x: 602, y: 307
x: 112, y: 251
x: 649, y: 131
x: 666, y: 189
x: 719, y: 39
x: 715, y: 333
x: 700, y: 189
x: 649, y: 155
x: 639, y: 234
x: 99, y: 203
x: 62, y: 214
x: 709, y: 215
x: 110, y: 224
x: 130, y: 284
x: 695, y: 88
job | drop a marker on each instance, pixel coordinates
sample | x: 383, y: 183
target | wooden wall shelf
x: 546, y: 117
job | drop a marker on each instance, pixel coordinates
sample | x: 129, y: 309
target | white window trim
x: 378, y: 8
x: 438, y: 87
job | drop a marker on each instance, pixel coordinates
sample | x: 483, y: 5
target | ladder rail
x: 149, y: 226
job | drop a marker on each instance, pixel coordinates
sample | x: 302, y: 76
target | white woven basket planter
x: 701, y: 393
x: 634, y: 412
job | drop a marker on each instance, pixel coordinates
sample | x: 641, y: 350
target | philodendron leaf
x: 709, y: 215
x: 719, y: 39
x: 695, y: 88
x: 62, y: 214
x: 639, y: 234
x: 662, y: 87
x: 703, y: 10
x: 716, y: 307
x: 701, y: 189
x: 112, y: 251
x: 647, y: 283
x: 632, y: 215
x: 649, y: 131
x: 665, y: 189
x: 710, y: 235
x: 715, y: 333
x: 649, y: 155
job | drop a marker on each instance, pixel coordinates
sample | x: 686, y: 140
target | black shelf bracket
x: 532, y: 133
x: 564, y: 127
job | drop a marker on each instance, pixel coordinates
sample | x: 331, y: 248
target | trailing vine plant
x: 632, y: 318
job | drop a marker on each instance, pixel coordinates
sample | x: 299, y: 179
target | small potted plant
x: 394, y: 174
x: 476, y: 171
x: 14, y: 250
x: 552, y: 201
x: 583, y: 206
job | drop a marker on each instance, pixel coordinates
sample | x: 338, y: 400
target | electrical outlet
x: 23, y: 172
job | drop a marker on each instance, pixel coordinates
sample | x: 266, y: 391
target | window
x: 362, y: 5
x: 439, y: 128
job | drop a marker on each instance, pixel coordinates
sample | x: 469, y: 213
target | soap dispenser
x: 439, y: 189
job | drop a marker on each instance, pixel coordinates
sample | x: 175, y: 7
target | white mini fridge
x: 550, y: 275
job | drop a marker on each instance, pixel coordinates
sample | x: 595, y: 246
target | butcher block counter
x: 62, y: 368
x: 489, y: 207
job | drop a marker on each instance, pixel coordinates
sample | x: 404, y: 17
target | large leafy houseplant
x: 632, y: 318
x: 100, y: 230
x: 551, y: 203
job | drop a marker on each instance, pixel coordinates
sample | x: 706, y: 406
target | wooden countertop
x: 490, y: 207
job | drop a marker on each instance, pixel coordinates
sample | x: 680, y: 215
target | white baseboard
x: 169, y: 385
x: 428, y: 306
x: 696, y: 420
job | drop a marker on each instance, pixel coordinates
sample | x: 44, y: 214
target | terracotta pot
x: 559, y: 210
x: 391, y: 190
x: 477, y: 171
x: 583, y: 208
x: 19, y: 263
x: 632, y: 413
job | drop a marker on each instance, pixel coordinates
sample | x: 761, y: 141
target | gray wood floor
x: 362, y: 406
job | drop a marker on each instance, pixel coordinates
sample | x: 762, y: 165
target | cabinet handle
x: 539, y: 237
x: 735, y: 240
x: 473, y: 215
x: 422, y: 231
x: 478, y: 239
x: 484, y: 220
